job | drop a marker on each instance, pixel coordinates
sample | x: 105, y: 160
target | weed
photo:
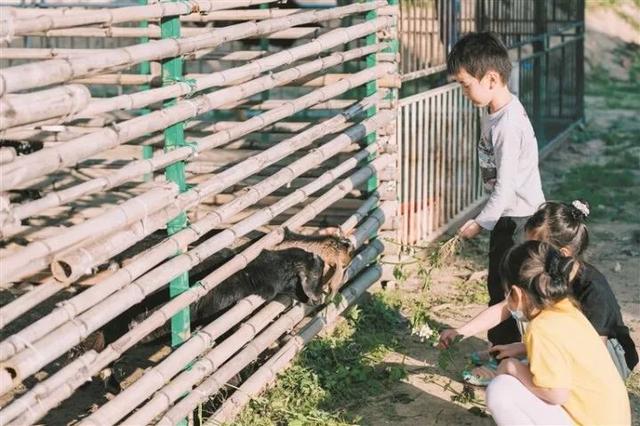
x: 336, y: 371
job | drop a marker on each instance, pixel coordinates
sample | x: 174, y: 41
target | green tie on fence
x: 174, y: 138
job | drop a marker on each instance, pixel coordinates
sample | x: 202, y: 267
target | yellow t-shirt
x: 565, y: 351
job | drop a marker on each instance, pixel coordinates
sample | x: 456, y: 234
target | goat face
x: 311, y: 279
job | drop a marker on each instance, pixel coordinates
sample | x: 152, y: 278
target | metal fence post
x: 539, y: 70
x: 580, y: 61
x: 174, y: 138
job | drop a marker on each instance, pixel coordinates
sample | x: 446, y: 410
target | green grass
x: 336, y: 372
x: 610, y: 189
x: 618, y: 94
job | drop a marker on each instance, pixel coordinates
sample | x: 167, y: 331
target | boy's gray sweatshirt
x: 508, y: 156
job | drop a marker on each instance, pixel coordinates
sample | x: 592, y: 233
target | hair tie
x: 581, y: 207
x: 553, y: 268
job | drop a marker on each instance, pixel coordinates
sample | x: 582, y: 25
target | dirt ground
x: 609, y: 143
x: 432, y: 395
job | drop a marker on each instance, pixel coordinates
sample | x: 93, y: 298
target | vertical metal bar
x: 420, y: 171
x: 580, y: 61
x: 432, y: 165
x: 538, y: 71
x: 399, y: 141
x: 412, y: 174
x: 443, y: 158
x: 423, y: 35
x: 174, y: 138
x: 415, y: 36
x: 451, y: 154
x: 456, y: 141
x: 405, y: 173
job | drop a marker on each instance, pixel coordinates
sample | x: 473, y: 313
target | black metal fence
x: 545, y: 41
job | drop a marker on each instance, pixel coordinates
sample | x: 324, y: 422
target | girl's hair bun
x: 580, y: 210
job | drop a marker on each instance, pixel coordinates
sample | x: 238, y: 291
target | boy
x: 508, y: 157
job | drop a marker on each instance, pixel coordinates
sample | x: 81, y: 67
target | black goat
x: 293, y: 272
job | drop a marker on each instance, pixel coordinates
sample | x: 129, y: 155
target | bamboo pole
x: 69, y: 266
x: 60, y: 101
x: 155, y: 378
x: 225, y: 373
x: 211, y: 361
x: 217, y: 380
x: 53, y: 384
x: 61, y: 389
x: 25, y: 302
x: 47, y: 22
x: 7, y: 155
x: 267, y: 373
x: 24, y: 364
x: 29, y: 76
x: 239, y: 15
x: 325, y: 42
x: 359, y: 214
x: 153, y: 32
x: 38, y: 254
x: 374, y: 222
x: 60, y: 53
x: 139, y: 168
x: 154, y: 256
x: 240, y: 261
x: 69, y: 153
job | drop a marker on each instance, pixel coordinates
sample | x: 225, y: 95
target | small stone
x: 617, y: 267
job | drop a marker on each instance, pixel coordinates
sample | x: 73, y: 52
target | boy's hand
x: 512, y: 350
x: 469, y: 229
x: 447, y: 337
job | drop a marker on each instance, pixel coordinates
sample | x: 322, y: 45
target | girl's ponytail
x: 561, y: 224
x: 541, y: 271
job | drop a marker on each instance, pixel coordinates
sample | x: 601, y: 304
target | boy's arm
x: 507, y: 146
x: 515, y: 368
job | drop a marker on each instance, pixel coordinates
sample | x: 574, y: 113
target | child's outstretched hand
x: 448, y: 337
x: 470, y: 229
x: 512, y: 350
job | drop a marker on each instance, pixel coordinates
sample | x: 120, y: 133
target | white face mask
x: 517, y: 314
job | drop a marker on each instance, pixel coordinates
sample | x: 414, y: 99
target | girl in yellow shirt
x: 570, y: 377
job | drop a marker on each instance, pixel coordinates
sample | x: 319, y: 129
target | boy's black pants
x: 508, y: 232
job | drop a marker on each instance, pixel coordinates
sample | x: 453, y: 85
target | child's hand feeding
x: 470, y: 229
x: 447, y: 338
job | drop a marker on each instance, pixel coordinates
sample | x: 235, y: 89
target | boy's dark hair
x: 562, y: 225
x: 479, y: 53
x: 540, y: 270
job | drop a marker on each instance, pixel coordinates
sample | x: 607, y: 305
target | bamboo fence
x: 115, y: 350
x: 68, y: 266
x: 283, y: 134
x: 70, y: 153
x: 139, y: 168
x: 31, y: 76
x: 27, y: 362
x: 167, y: 248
